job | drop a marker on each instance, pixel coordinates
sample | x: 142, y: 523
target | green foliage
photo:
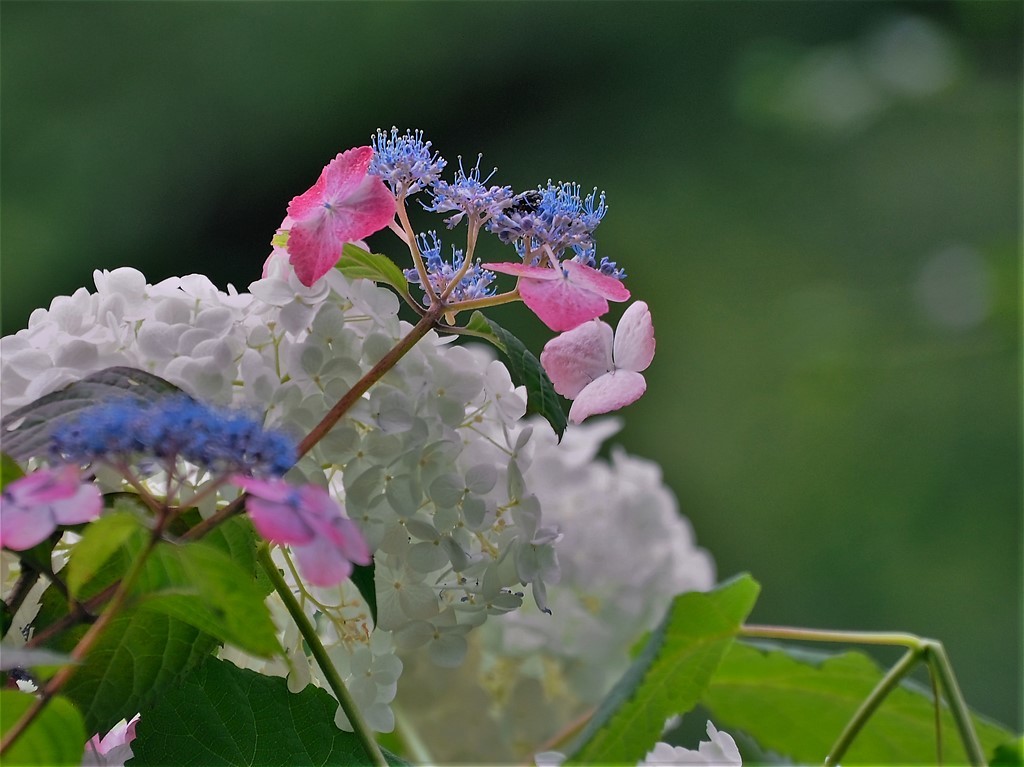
x: 9, y: 470
x: 797, y: 706
x: 363, y: 578
x: 101, y: 540
x: 55, y: 737
x: 525, y: 370
x: 1009, y: 754
x: 357, y: 263
x: 224, y: 715
x: 27, y: 430
x: 669, y: 676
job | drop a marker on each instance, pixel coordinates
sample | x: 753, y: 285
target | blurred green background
x: 820, y: 202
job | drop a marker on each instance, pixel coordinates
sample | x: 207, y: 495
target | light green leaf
x: 798, y: 705
x: 9, y: 470
x: 55, y: 737
x: 669, y: 676
x: 223, y: 715
x: 202, y: 586
x: 356, y: 263
x: 101, y: 540
x: 26, y: 431
x: 525, y: 370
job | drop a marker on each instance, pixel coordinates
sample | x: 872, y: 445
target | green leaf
x: 9, y: 470
x: 101, y: 540
x: 55, y: 737
x: 670, y: 675
x: 357, y: 263
x: 1009, y: 754
x: 26, y: 431
x: 363, y: 578
x: 525, y: 370
x: 202, y: 586
x: 797, y: 706
x: 223, y: 715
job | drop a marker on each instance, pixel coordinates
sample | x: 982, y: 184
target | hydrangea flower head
x: 555, y: 217
x: 405, y: 162
x: 476, y: 283
x: 311, y: 522
x: 345, y: 204
x: 567, y: 295
x: 598, y: 370
x: 469, y: 195
x: 34, y: 505
x: 173, y: 427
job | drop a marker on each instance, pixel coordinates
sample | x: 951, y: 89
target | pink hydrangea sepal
x: 345, y: 204
x: 566, y: 296
x: 34, y: 505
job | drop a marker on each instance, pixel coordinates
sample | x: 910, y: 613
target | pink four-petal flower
x: 34, y: 505
x: 308, y: 519
x: 345, y: 204
x: 599, y: 370
x: 566, y: 296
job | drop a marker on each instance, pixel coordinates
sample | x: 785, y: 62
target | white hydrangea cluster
x: 626, y: 552
x: 428, y: 464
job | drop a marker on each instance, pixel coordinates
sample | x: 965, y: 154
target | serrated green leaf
x: 525, y: 370
x: 356, y: 263
x: 480, y: 326
x: 797, y: 706
x: 55, y: 737
x: 9, y: 470
x: 200, y: 585
x: 223, y: 715
x: 100, y: 541
x: 669, y: 676
x: 26, y: 431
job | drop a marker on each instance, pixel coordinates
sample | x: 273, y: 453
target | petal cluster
x: 34, y: 505
x: 598, y: 370
x: 344, y: 205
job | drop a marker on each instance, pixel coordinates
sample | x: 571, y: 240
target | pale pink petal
x: 345, y: 204
x: 22, y: 528
x: 634, y: 338
x: 274, y: 508
x: 522, y: 270
x: 34, y: 505
x: 321, y: 562
x: 595, y: 281
x: 332, y: 525
x: 84, y: 506
x: 276, y: 490
x: 575, y: 358
x: 350, y: 541
x: 560, y: 304
x: 607, y: 393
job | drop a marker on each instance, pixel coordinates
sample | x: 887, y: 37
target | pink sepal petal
x: 575, y: 358
x: 634, y: 338
x: 561, y: 305
x: 345, y: 204
x: 523, y: 270
x: 34, y: 505
x: 609, y: 392
x: 273, y: 507
x: 321, y: 563
x: 596, y: 281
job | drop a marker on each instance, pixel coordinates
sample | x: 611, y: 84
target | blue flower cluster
x: 588, y: 257
x: 220, y: 440
x: 556, y: 216
x: 405, y: 162
x: 470, y: 196
x: 476, y: 283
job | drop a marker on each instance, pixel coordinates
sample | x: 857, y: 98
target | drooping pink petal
x: 321, y: 562
x: 274, y: 508
x: 607, y: 393
x: 345, y: 204
x: 634, y: 339
x: 523, y: 270
x: 34, y: 505
x: 575, y: 358
x: 596, y: 281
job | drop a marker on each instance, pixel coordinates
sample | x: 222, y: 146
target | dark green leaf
x: 525, y: 370
x: 798, y: 705
x: 357, y: 263
x: 26, y: 431
x: 101, y: 540
x: 1009, y: 754
x: 224, y: 715
x: 669, y: 676
x: 9, y: 470
x: 362, y: 577
x: 55, y: 737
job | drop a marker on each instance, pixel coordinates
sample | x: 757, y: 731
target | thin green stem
x: 890, y: 638
x: 85, y: 644
x: 348, y: 705
x: 483, y: 303
x: 886, y: 684
x: 414, y: 250
x: 939, y: 662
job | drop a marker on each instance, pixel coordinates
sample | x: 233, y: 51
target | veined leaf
x: 669, y: 676
x: 26, y: 431
x: 357, y: 263
x: 798, y: 705
x: 223, y: 715
x: 525, y: 370
x: 55, y: 737
x: 101, y: 540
